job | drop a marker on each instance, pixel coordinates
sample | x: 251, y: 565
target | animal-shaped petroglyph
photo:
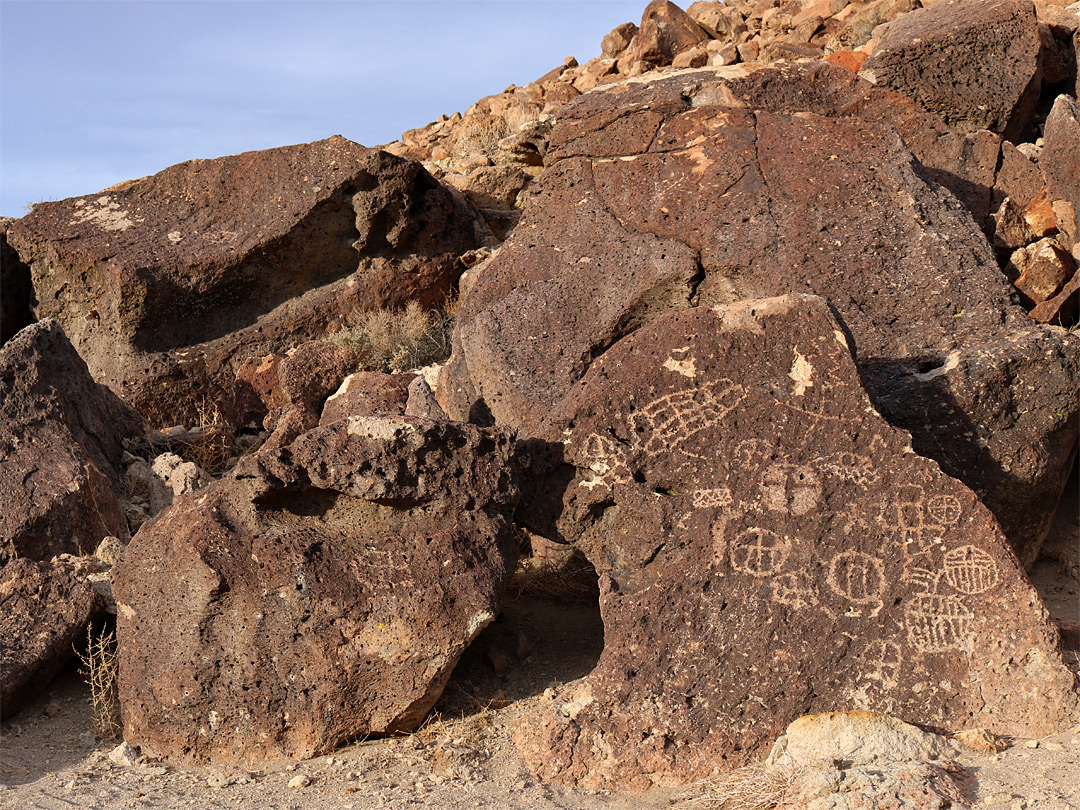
x: 670, y: 423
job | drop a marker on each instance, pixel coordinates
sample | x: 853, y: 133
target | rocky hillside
x: 768, y: 312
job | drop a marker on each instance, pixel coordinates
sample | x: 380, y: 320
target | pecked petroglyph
x: 105, y: 213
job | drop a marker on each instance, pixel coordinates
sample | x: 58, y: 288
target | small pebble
x: 124, y: 754
x: 299, y: 781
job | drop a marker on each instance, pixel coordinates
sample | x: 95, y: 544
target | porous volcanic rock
x: 368, y: 393
x: 166, y: 285
x: 769, y: 547
x: 973, y: 62
x: 61, y: 441
x: 45, y: 607
x: 321, y: 592
x: 1060, y: 162
x: 665, y: 32
x: 667, y: 191
x: 16, y: 290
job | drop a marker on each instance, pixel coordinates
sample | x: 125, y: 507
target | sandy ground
x: 463, y: 758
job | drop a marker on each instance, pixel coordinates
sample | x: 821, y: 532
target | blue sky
x: 92, y: 93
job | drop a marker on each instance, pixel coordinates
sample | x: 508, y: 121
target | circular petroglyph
x: 943, y: 509
x: 857, y: 576
x: 759, y: 552
x: 970, y: 570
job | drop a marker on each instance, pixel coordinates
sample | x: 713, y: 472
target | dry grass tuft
x: 755, y: 787
x: 100, y: 668
x: 398, y: 340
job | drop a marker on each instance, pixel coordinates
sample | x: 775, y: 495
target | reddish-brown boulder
x: 61, y: 440
x: 368, y: 393
x: 45, y: 608
x: 665, y: 32
x: 1060, y: 162
x: 975, y: 63
x: 666, y: 192
x: 16, y: 291
x: 321, y: 592
x: 768, y: 547
x: 173, y: 281
x: 256, y: 392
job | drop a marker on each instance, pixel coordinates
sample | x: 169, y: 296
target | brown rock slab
x: 312, y: 372
x: 769, y: 547
x: 1060, y: 159
x: 171, y: 282
x: 322, y: 592
x: 1061, y: 310
x: 975, y: 63
x: 45, y: 608
x: 61, y: 440
x: 706, y: 187
x: 368, y: 393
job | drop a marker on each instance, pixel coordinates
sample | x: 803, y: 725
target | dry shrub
x: 570, y: 582
x: 100, y: 668
x: 397, y: 340
x: 755, y: 787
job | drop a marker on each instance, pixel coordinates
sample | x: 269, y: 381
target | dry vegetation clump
x: 100, y: 668
x: 481, y: 135
x: 754, y: 787
x: 397, y: 340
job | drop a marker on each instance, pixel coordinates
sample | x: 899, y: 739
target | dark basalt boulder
x: 321, y: 592
x: 769, y: 547
x: 167, y: 284
x: 61, y: 441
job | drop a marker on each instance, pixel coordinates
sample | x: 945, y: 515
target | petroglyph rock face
x: 322, y: 592
x: 703, y: 187
x: 769, y: 547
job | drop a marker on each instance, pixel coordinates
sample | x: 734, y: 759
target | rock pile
x: 766, y: 315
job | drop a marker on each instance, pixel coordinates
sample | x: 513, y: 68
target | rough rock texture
x: 256, y: 391
x: 16, y: 291
x: 45, y: 608
x: 321, y: 592
x: 855, y: 760
x: 665, y: 32
x: 368, y: 393
x: 973, y: 62
x: 1060, y: 164
x: 965, y: 164
x: 61, y: 442
x: 769, y: 547
x: 665, y: 192
x: 173, y: 281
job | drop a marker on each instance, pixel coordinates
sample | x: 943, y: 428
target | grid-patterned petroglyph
x: 759, y: 552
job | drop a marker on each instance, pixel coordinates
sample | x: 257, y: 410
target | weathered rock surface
x: 769, y: 547
x: 1060, y: 164
x: 61, y: 441
x: 973, y: 62
x: 16, y: 290
x: 173, y: 281
x: 321, y: 592
x: 45, y: 608
x: 849, y: 760
x: 669, y: 191
x: 368, y: 393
